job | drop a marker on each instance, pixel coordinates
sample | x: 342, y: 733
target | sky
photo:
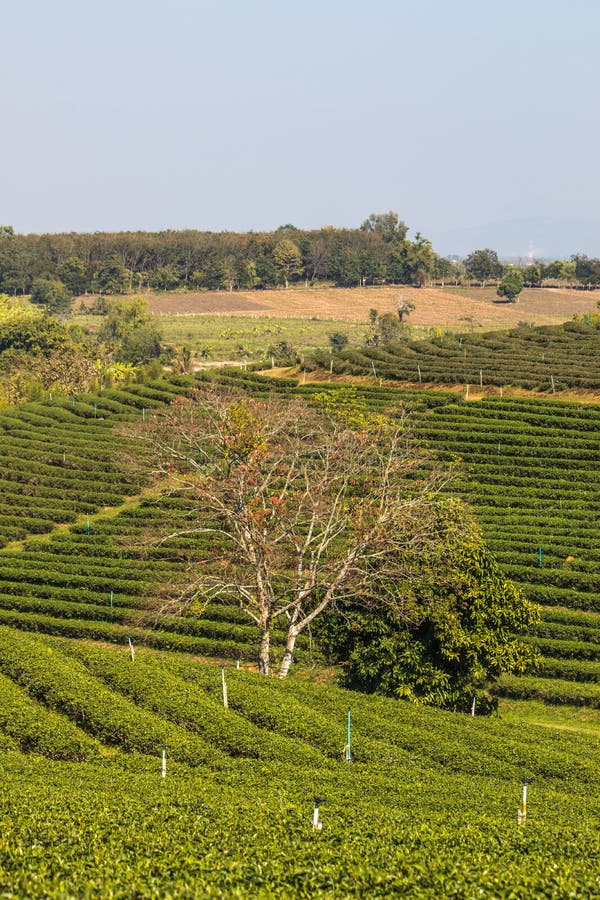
x: 475, y: 120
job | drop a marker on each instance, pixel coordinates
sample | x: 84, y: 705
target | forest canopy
x: 116, y: 263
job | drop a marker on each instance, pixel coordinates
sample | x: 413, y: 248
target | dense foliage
x: 41, y: 355
x: 451, y: 632
x: 119, y: 263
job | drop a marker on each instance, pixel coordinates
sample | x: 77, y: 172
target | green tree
x: 288, y: 259
x: 140, y: 345
x: 50, y: 293
x: 370, y: 266
x: 15, y: 266
x: 561, y: 269
x: 451, y: 630
x: 245, y: 274
x: 282, y: 350
x: 131, y: 332
x: 266, y: 272
x: 587, y: 270
x: 215, y: 275
x: 338, y: 341
x: 443, y: 270
x: 196, y: 279
x: 398, y: 269
x: 534, y: 274
x: 387, y: 225
x: 419, y: 260
x: 165, y: 278
x: 73, y: 274
x: 112, y: 277
x: 483, y: 265
x: 388, y: 328
x: 345, y: 267
x: 511, y: 285
x: 35, y: 333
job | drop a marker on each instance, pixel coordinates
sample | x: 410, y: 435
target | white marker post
x: 473, y: 705
x: 131, y: 649
x: 317, y: 826
x: 522, y: 813
x: 163, y: 769
x: 224, y: 683
x: 348, y: 747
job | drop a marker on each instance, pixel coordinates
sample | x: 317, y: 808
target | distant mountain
x: 548, y: 237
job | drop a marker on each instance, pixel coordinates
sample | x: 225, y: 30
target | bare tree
x: 306, y: 507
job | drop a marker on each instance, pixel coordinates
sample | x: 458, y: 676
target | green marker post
x: 540, y: 557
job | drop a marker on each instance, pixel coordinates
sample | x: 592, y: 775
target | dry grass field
x: 444, y: 308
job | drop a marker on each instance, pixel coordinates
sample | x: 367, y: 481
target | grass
x: 563, y: 718
x: 229, y: 326
x: 239, y: 337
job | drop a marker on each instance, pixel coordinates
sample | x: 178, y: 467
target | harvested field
x: 433, y: 306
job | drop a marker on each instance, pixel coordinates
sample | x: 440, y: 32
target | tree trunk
x: 264, y: 652
x: 288, y: 656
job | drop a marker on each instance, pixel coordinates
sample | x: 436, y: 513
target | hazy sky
x: 248, y: 114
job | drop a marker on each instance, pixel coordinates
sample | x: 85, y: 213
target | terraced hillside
x: 534, y: 482
x: 427, y: 807
x: 548, y: 358
x: 104, y: 576
x: 59, y: 459
x: 529, y: 469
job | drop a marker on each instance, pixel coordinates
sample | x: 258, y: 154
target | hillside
x: 549, y: 358
x: 100, y: 573
x: 427, y: 807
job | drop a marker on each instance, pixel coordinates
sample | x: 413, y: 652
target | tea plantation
x: 426, y: 808
x: 548, y: 358
x: 428, y: 805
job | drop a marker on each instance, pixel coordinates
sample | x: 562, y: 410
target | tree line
x: 116, y: 263
x: 485, y: 266
x: 55, y: 267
